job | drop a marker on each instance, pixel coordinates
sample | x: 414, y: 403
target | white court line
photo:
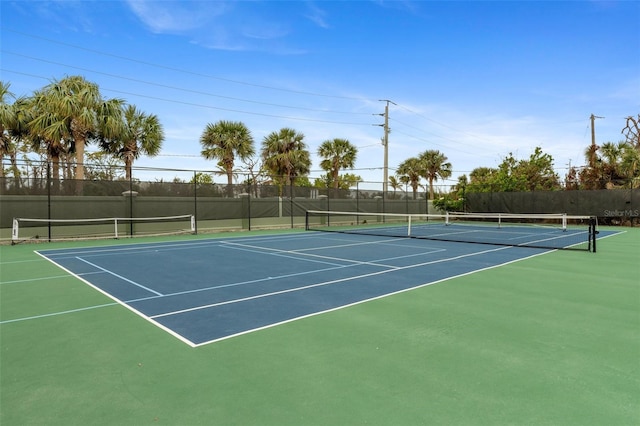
x: 302, y: 251
x: 119, y: 276
x: 277, y: 277
x: 191, y: 344
x: 276, y: 252
x: 120, y: 250
x: 46, y: 278
x: 527, y: 243
x: 236, y: 284
x: 120, y: 302
x: 404, y: 290
x: 35, y: 279
x: 148, y: 247
x: 21, y: 261
x: 288, y: 253
x: 140, y: 247
x: 71, y: 311
x: 325, y: 283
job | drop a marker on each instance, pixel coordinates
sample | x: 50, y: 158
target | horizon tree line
x: 63, y: 117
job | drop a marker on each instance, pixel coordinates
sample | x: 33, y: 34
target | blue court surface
x: 202, y: 291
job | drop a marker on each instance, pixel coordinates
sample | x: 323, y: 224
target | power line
x: 124, y: 58
x: 166, y: 86
x: 205, y: 106
x: 442, y: 124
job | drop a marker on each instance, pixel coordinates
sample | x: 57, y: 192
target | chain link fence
x: 219, y: 207
x: 215, y: 206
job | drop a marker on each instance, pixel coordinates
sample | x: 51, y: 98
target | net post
x: 446, y: 218
x: 14, y: 231
x: 499, y: 221
x: 306, y: 220
x: 193, y: 224
x: 564, y: 221
x: 409, y: 225
x: 594, y: 232
x: 115, y: 221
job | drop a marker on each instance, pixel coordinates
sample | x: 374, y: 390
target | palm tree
x: 7, y: 122
x: 140, y: 133
x: 591, y: 176
x: 410, y: 171
x: 224, y: 141
x: 83, y: 113
x: 610, y: 154
x: 337, y: 154
x: 630, y: 163
x: 13, y: 128
x: 285, y: 156
x: 435, y: 166
x: 47, y: 131
x: 395, y: 184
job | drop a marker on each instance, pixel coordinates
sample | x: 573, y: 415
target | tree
x: 410, y: 171
x: 608, y: 165
x: 571, y: 181
x: 537, y: 172
x: 395, y: 184
x: 102, y: 166
x: 337, y: 154
x: 202, y: 179
x: 460, y: 188
x: 631, y: 131
x: 14, y: 129
x: 8, y: 122
x: 609, y: 161
x: 47, y: 131
x: 140, y: 134
x: 81, y: 114
x: 254, y: 177
x: 482, y: 179
x: 506, y: 180
x: 224, y: 141
x: 630, y: 165
x: 345, y: 181
x: 533, y: 174
x: 434, y: 166
x: 285, y: 156
x: 591, y: 175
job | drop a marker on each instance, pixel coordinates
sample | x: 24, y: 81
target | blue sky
x: 475, y: 80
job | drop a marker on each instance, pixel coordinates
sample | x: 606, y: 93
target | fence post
x: 195, y: 201
x: 324, y: 205
x: 131, y: 204
x: 130, y: 194
x: 291, y: 201
x: 379, y: 208
x: 49, y: 183
x: 246, y: 211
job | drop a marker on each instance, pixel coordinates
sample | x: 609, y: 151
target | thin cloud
x: 71, y: 16
x: 317, y: 16
x: 176, y: 16
x: 217, y: 25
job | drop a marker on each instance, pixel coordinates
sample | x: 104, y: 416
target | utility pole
x: 592, y: 158
x: 385, y: 143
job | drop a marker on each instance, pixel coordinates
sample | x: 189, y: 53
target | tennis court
x: 277, y: 331
x: 205, y: 291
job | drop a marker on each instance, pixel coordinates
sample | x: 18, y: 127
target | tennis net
x: 29, y: 229
x: 548, y: 231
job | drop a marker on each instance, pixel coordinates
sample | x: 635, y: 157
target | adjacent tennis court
x: 322, y: 328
